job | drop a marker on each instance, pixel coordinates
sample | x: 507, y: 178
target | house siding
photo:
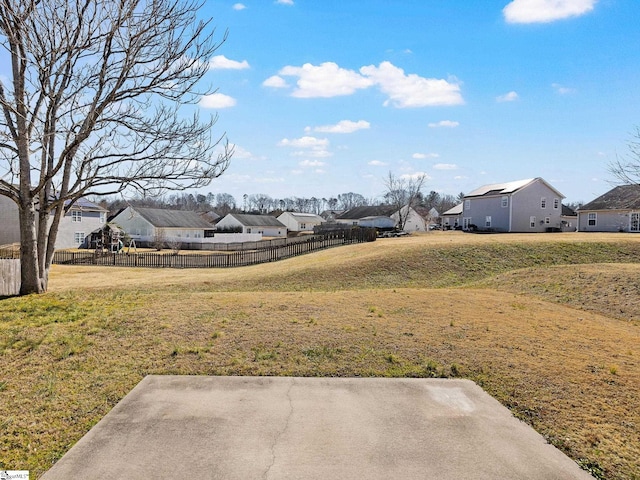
x: 481, y: 207
x: 67, y: 229
x: 230, y: 221
x: 9, y: 221
x: 606, y: 220
x: 527, y: 203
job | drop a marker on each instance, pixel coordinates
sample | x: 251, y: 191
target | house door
x: 635, y: 222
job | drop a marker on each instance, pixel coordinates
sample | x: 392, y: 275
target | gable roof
x: 161, y: 218
x: 368, y: 211
x: 457, y: 210
x: 623, y: 197
x: 305, y: 217
x: 249, y: 220
x: 507, y: 188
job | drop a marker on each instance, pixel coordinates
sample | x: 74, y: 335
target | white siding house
x: 266, y: 225
x: 75, y: 226
x: 150, y: 224
x: 618, y: 210
x: 530, y: 205
x: 300, y: 222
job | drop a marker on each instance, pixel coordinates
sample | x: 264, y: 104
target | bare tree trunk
x: 29, y: 268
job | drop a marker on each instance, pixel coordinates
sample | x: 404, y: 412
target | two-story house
x: 527, y: 206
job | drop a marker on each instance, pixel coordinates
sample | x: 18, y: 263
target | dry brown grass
x: 558, y: 344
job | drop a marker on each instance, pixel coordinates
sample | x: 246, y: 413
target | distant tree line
x: 260, y: 203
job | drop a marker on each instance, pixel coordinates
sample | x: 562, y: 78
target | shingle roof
x: 623, y: 197
x: 306, y: 217
x: 257, y: 220
x: 368, y: 211
x: 159, y: 217
x: 457, y: 210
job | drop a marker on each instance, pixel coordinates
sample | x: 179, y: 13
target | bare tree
x: 95, y: 104
x: 626, y: 169
x: 403, y: 194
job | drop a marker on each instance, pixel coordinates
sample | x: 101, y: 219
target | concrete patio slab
x: 311, y: 428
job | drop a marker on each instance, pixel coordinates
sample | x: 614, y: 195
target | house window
x: 543, y: 202
x: 532, y: 222
x: 78, y: 238
x: 505, y: 202
x: 248, y: 230
x: 76, y: 216
x: 103, y: 217
x: 547, y: 220
x: 556, y: 203
x: 197, y: 235
x: 487, y: 221
x: 303, y: 226
x: 466, y: 221
x: 592, y: 219
x: 467, y: 204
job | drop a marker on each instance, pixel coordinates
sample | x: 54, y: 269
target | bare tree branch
x: 101, y: 99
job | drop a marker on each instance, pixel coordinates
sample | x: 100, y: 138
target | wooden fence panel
x: 248, y: 253
x: 9, y: 277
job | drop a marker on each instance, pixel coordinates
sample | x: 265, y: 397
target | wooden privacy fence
x: 258, y: 254
x: 9, y: 277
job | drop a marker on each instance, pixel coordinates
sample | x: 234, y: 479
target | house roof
x: 457, y: 210
x: 623, y: 197
x: 248, y: 220
x: 161, y: 218
x: 368, y: 211
x: 306, y: 217
x: 568, y: 211
x: 84, y: 204
x: 507, y: 188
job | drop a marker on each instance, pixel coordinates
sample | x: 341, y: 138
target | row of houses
x: 533, y: 205
x: 530, y: 205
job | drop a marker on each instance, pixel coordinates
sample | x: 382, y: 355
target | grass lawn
x: 547, y: 324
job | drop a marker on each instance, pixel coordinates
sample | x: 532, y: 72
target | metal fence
x: 252, y: 253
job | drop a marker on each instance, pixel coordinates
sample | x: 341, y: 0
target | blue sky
x: 327, y: 97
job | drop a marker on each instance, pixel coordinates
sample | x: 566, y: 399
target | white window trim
x: 78, y: 238
x: 505, y: 201
x: 76, y: 216
x: 487, y: 221
x: 594, y: 216
x: 543, y: 203
x: 556, y: 203
x: 532, y: 221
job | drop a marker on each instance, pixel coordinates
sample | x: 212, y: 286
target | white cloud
x: 217, y: 100
x: 239, y: 6
x: 325, y: 80
x: 422, y: 156
x: 377, y: 163
x: 508, y: 97
x: 304, y: 142
x: 411, y: 90
x: 444, y: 123
x: 343, y: 126
x: 562, y: 90
x: 242, y: 153
x: 310, y: 146
x: 404, y: 90
x: 414, y: 176
x: 275, y: 82
x: 311, y: 163
x: 315, y: 153
x: 445, y: 166
x: 543, y: 11
x: 220, y: 62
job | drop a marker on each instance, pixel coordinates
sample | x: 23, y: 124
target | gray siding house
x: 265, y: 225
x: 75, y: 226
x: 618, y: 210
x: 527, y: 206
